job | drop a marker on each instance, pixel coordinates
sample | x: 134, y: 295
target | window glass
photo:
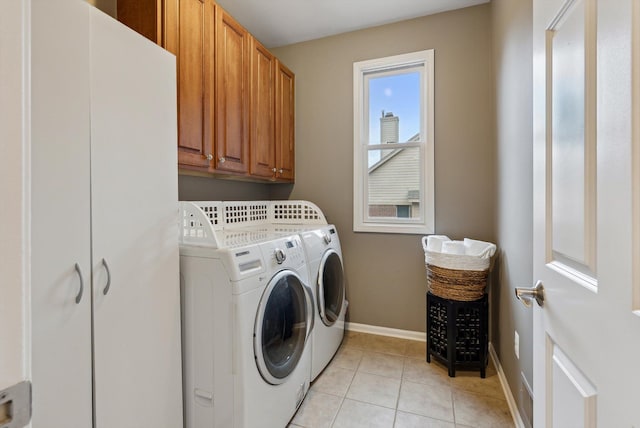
x: 395, y: 180
x: 284, y: 327
x: 332, y: 288
x: 393, y: 144
x: 394, y: 106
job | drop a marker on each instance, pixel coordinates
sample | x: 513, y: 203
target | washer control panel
x: 280, y: 255
x: 284, y: 252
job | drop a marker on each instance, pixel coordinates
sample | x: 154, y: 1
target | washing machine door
x: 283, y: 323
x: 330, y: 287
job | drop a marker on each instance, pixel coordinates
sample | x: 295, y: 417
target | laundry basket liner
x: 456, y: 276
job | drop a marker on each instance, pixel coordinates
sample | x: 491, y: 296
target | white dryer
x: 326, y: 277
x: 324, y: 261
x: 247, y: 320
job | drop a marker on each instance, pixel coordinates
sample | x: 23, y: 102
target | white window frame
x: 362, y: 222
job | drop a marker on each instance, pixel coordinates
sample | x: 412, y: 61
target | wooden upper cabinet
x: 144, y: 16
x: 232, y: 95
x: 235, y: 99
x: 190, y: 36
x: 185, y: 28
x: 262, y: 117
x: 285, y: 122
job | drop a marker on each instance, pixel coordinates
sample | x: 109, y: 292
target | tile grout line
x: 335, y: 417
x: 395, y: 415
x: 453, y: 408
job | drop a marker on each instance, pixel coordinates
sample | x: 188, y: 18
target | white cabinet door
x: 60, y: 215
x: 586, y: 336
x: 134, y: 217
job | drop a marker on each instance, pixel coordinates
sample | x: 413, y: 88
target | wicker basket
x: 454, y: 284
x: 456, y: 277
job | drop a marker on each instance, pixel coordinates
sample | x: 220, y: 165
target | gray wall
x: 385, y: 272
x: 512, y: 52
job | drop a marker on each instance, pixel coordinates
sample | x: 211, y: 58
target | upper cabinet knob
x: 221, y: 160
x: 209, y: 156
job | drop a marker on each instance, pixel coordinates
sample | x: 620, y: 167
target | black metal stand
x: 457, y: 333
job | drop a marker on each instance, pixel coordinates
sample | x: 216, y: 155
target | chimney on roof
x: 389, y: 128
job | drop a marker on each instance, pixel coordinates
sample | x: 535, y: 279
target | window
x: 393, y: 144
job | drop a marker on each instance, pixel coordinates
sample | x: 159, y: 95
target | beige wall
x: 512, y: 47
x: 194, y: 188
x: 384, y: 272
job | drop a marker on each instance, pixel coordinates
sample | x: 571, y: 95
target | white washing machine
x: 247, y: 320
x: 326, y: 277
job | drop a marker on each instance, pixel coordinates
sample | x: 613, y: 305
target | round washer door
x: 330, y: 287
x: 282, y: 326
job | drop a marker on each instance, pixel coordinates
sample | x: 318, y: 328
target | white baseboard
x: 511, y: 401
x: 385, y: 331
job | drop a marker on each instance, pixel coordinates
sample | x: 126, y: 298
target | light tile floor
x: 377, y: 381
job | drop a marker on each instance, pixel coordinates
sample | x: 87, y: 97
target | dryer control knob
x: 327, y: 238
x: 280, y: 256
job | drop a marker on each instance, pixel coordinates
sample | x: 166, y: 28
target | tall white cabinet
x: 105, y: 303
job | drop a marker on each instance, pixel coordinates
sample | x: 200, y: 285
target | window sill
x: 390, y: 228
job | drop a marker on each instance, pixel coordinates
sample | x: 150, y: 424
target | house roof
x: 384, y: 159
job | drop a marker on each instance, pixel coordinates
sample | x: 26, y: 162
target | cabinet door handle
x: 280, y: 170
x: 79, y: 296
x: 274, y: 169
x: 209, y: 156
x: 222, y: 160
x: 106, y: 287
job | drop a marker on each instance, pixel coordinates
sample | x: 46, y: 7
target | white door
x: 14, y: 223
x: 586, y: 336
x: 60, y: 215
x: 134, y: 195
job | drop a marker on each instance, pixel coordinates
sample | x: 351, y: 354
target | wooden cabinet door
x: 232, y: 95
x: 144, y: 16
x: 285, y: 122
x: 262, y: 118
x: 189, y: 34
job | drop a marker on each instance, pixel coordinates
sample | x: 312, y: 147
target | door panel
x: 285, y: 122
x: 190, y: 36
x: 330, y: 289
x: 585, y: 364
x: 574, y: 403
x: 573, y: 171
x: 14, y: 217
x: 60, y: 215
x: 134, y: 215
x: 262, y: 111
x: 281, y: 328
x: 232, y: 94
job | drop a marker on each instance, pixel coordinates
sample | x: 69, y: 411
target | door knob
x: 527, y: 295
x: 209, y: 156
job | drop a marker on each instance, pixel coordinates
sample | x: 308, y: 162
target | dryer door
x: 283, y: 324
x: 330, y: 287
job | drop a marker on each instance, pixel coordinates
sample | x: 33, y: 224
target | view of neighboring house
x: 394, y: 184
